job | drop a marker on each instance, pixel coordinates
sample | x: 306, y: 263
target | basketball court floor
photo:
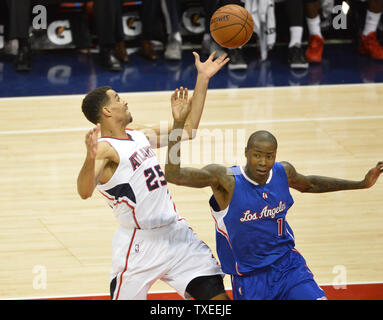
x: 328, y: 121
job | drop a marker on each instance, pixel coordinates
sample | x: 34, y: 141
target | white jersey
x: 137, y: 191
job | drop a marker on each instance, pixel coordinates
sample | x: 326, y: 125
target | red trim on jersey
x: 106, y: 141
x: 233, y: 285
x: 134, y: 213
x: 221, y: 231
x: 126, y: 264
x: 119, y: 202
x: 236, y: 269
x: 174, y: 204
x: 228, y: 240
x: 111, y: 199
x: 128, y: 138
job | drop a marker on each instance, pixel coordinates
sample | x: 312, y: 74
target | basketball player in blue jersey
x: 152, y: 241
x: 255, y: 244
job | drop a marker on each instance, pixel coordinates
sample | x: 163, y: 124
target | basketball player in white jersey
x: 152, y: 242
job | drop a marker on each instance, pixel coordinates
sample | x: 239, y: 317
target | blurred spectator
x: 120, y: 48
x: 171, y: 10
x: 263, y: 14
x: 208, y: 44
x: 108, y: 22
x: 109, y: 29
x: 150, y: 10
x: 237, y: 61
x: 19, y: 22
x: 315, y: 47
x: 294, y: 12
x: 369, y: 44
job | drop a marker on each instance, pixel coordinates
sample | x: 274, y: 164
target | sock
x: 371, y: 23
x: 295, y: 36
x: 314, y: 26
x: 176, y: 36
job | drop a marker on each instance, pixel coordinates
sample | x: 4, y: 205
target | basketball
x: 231, y: 26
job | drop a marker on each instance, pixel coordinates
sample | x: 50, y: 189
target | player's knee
x: 206, y: 287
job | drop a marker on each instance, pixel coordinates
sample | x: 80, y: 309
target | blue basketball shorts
x: 288, y: 278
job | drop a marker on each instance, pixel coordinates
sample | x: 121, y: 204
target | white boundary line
x: 68, y: 96
x: 162, y: 292
x: 320, y: 119
x: 11, y: 132
x: 208, y: 124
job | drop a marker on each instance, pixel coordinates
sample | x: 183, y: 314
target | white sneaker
x: 237, y: 62
x: 173, y: 50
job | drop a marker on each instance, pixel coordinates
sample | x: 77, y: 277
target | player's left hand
x: 373, y: 175
x: 211, y: 66
x: 91, y: 141
x: 180, y: 104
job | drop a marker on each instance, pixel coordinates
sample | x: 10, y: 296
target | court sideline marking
x: 208, y: 124
x: 155, y: 292
x: 167, y: 92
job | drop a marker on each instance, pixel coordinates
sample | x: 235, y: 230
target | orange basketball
x: 231, y: 26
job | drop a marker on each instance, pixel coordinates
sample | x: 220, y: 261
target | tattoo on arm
x: 216, y: 176
x: 190, y: 177
x: 317, y: 184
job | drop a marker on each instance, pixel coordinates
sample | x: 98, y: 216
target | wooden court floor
x: 53, y: 244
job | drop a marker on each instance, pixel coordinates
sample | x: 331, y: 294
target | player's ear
x: 106, y: 111
x: 246, y: 152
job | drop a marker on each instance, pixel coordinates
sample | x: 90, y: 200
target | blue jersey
x: 252, y: 232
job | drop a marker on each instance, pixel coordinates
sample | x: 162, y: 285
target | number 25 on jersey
x: 154, y: 177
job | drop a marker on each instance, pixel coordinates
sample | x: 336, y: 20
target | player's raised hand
x: 211, y: 66
x: 91, y: 141
x: 180, y: 105
x: 373, y: 175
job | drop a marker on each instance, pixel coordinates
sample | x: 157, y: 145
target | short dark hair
x: 93, y: 102
x: 261, y: 135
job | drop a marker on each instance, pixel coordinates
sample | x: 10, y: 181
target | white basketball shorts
x: 172, y: 253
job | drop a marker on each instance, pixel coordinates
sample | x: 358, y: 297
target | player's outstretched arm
x: 215, y: 176
x: 191, y: 177
x: 157, y: 136
x: 319, y: 184
x: 95, y: 161
x: 218, y: 177
x: 205, y: 71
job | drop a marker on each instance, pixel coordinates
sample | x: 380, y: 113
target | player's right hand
x: 211, y: 66
x: 91, y: 141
